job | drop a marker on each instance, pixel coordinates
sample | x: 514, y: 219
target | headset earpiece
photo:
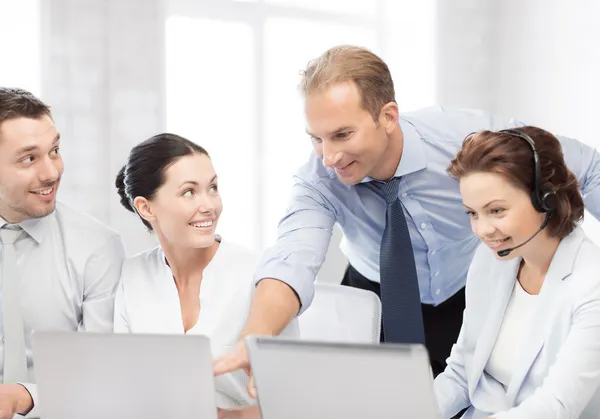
x: 542, y: 200
x: 549, y: 201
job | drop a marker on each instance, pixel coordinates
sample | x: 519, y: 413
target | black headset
x: 543, y: 200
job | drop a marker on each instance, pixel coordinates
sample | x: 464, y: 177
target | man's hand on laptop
x: 234, y: 360
x: 248, y: 412
x: 14, y: 398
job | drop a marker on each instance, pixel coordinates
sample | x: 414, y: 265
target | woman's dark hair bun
x: 120, y: 185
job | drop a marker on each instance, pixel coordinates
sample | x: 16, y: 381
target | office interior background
x: 224, y: 73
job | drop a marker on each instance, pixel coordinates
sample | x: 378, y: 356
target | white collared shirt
x: 69, y: 266
x: 148, y: 302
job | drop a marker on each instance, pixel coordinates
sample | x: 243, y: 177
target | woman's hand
x: 235, y: 360
x: 247, y: 412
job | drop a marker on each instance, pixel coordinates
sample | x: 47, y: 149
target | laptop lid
x: 300, y: 379
x: 123, y: 376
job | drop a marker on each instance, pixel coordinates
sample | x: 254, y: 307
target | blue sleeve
x: 584, y: 162
x: 303, y: 238
x: 454, y: 124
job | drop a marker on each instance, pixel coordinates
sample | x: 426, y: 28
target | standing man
x: 59, y: 268
x: 382, y: 177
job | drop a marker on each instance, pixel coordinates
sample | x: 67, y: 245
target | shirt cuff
x: 299, y: 279
x: 32, y: 389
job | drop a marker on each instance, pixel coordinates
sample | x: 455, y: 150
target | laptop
x: 123, y: 376
x: 301, y: 379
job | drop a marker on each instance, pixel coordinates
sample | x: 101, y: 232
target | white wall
x: 536, y: 60
x: 464, y: 53
x: 547, y: 68
x: 20, y: 57
x: 103, y: 71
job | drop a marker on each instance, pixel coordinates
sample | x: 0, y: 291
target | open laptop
x: 123, y: 376
x: 300, y: 379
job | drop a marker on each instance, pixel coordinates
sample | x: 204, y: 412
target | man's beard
x: 22, y: 209
x: 31, y: 214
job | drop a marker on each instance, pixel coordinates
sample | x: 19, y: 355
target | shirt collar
x: 35, y: 227
x: 413, y: 155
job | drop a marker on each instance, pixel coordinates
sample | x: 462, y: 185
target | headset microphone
x: 506, y: 252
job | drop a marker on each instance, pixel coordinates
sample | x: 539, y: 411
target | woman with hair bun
x: 194, y: 281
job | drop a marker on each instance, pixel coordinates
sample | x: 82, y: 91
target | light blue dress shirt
x: 439, y: 227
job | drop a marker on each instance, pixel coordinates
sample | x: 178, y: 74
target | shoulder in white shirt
x: 147, y: 302
x: 70, y: 264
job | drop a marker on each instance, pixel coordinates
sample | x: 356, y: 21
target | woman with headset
x: 529, y: 346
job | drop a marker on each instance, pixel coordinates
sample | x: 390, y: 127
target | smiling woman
x: 531, y: 329
x: 194, y: 281
x: 144, y: 177
x: 508, y: 179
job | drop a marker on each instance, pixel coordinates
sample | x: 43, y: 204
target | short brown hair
x: 347, y: 63
x: 19, y: 103
x: 512, y: 158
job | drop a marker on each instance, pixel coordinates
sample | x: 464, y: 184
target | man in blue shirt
x: 359, y: 137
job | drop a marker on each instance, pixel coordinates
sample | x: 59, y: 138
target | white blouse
x: 509, y: 343
x: 147, y: 301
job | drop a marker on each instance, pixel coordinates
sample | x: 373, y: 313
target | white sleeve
x: 451, y: 386
x: 121, y: 320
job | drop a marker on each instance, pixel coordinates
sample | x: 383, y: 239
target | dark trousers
x: 442, y: 323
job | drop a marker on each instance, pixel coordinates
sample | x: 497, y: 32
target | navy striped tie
x: 400, y: 297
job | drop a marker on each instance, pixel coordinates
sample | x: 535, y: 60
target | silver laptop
x: 123, y: 376
x: 300, y: 379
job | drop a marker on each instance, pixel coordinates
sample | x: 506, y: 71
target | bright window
x: 232, y: 71
x: 20, y: 45
x: 354, y: 7
x: 210, y: 100
x: 289, y: 45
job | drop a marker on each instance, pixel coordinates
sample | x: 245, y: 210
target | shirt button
x: 432, y: 252
x: 437, y: 292
x: 423, y: 226
x: 404, y: 195
x: 437, y: 273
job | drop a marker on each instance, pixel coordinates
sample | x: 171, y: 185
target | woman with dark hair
x: 529, y: 346
x: 193, y: 282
